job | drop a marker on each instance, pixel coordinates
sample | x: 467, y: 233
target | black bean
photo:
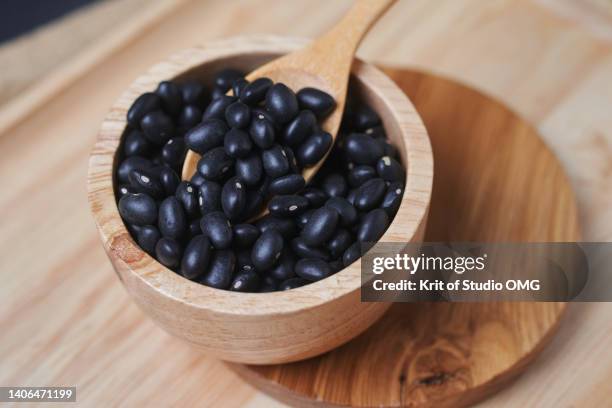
x: 303, y: 250
x: 157, y: 127
x: 243, y: 260
x: 292, y: 283
x: 293, y: 164
x: 289, y: 184
x: 285, y: 226
x: 145, y: 103
x: 275, y: 162
x: 360, y: 174
x: 245, y: 235
x: 197, y: 179
x: 196, y: 257
x: 389, y: 169
x: 263, y: 188
x: 238, y: 115
x: 282, y: 103
x: 287, y: 205
x: 373, y: 226
x: 388, y: 148
x: 134, y: 229
x: 254, y: 204
x: 262, y: 131
x: 136, y: 144
x: 267, y: 249
x: 284, y: 267
x: 217, y: 93
x: 393, y: 198
x: 171, y: 98
x: 250, y: 170
x: 255, y: 92
x: 189, y: 117
x: 157, y: 160
x: 187, y: 195
x: 237, y: 143
x: 269, y: 284
x: 346, y: 211
x: 314, y: 148
x: 362, y: 149
x: 233, y: 198
x: 335, y: 185
x: 172, y: 220
x: 193, y: 93
x: 132, y: 163
x: 220, y: 270
x: 377, y: 132
x: 194, y: 228
x: 209, y: 197
x: 341, y: 240
x: 138, y: 209
x: 351, y: 254
x: 238, y: 86
x: 299, y: 128
x: 217, y: 227
x: 365, y: 118
x: 173, y: 151
x: 312, y: 269
x: 147, y: 238
x: 317, y: 101
x: 125, y: 189
x: 350, y: 197
x: 225, y: 78
x: 336, y: 265
x: 168, y: 252
x: 302, y: 219
x: 246, y: 281
x: 262, y: 113
x: 216, y: 109
x: 370, y: 194
x: 315, y: 196
x: 169, y: 179
x: 206, y: 136
x: 321, y: 226
x: 215, y: 164
x: 146, y: 181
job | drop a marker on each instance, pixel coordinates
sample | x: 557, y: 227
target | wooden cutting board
x: 66, y: 320
x: 494, y: 180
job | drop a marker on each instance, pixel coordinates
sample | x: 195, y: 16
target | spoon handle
x: 346, y: 35
x: 332, y: 54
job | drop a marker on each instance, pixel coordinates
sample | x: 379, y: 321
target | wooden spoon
x: 324, y: 64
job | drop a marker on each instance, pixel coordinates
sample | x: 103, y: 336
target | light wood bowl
x: 256, y: 328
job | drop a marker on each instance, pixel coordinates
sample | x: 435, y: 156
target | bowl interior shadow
x: 494, y: 180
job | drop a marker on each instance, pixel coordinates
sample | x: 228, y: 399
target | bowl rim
x: 122, y: 249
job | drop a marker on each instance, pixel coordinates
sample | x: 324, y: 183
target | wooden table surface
x: 66, y: 320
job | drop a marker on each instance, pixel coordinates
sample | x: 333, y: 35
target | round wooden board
x: 495, y: 180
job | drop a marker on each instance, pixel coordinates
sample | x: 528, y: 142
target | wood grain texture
x: 65, y: 320
x: 39, y: 52
x: 494, y: 181
x: 324, y: 64
x: 256, y: 328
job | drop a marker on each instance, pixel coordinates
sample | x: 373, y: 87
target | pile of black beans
x: 254, y: 145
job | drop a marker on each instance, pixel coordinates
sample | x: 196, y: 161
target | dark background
x: 20, y: 16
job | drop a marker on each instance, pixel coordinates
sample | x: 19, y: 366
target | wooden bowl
x: 256, y: 328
